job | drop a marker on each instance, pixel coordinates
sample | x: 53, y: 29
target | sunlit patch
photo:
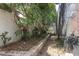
x: 54, y: 51
x: 68, y: 54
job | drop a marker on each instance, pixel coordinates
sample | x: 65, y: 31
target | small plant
x: 71, y: 41
x: 4, y: 38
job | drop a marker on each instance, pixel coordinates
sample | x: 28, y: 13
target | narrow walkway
x: 51, y: 49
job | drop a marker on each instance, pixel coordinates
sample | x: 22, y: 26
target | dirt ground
x: 52, y: 48
x: 20, y: 45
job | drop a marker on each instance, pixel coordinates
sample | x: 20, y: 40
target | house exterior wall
x: 71, y: 24
x: 7, y: 23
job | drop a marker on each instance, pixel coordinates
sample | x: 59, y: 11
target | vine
x: 4, y: 38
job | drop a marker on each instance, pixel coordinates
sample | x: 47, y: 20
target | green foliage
x: 37, y: 18
x: 18, y: 33
x: 6, y: 7
x: 4, y: 38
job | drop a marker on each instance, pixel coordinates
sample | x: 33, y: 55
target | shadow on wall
x: 7, y: 23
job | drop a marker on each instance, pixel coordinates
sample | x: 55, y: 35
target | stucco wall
x: 70, y: 9
x: 7, y: 23
x: 71, y: 17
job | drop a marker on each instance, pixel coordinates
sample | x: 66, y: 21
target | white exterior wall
x: 7, y: 23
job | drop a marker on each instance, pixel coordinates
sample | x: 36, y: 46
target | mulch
x: 21, y: 45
